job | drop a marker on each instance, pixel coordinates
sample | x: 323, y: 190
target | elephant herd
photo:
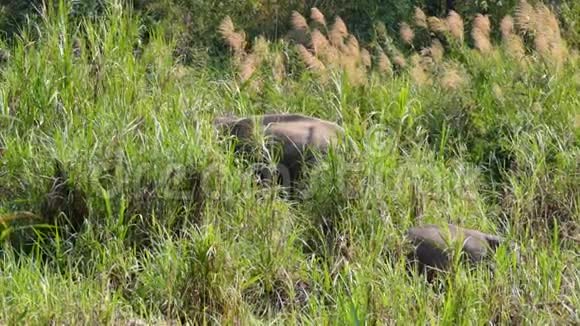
x: 298, y: 140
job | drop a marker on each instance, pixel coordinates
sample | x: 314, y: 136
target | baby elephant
x: 292, y: 138
x: 434, y: 245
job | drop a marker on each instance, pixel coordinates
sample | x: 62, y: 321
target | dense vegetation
x: 105, y: 132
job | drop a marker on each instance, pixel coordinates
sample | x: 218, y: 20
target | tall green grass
x: 178, y: 231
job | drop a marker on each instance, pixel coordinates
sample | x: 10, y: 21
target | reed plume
x: 338, y: 32
x: 317, y: 16
x: 298, y: 21
x: 309, y: 59
x: 384, y: 64
x: 526, y: 17
x: 453, y: 78
x: 365, y: 57
x: 420, y: 18
x: 407, y: 33
x: 455, y: 25
x: 437, y: 25
x: 419, y: 73
x: 248, y: 66
x: 319, y: 42
x: 435, y: 51
x: 278, y: 68
x: 480, y: 33
x: 235, y: 40
x: 513, y: 44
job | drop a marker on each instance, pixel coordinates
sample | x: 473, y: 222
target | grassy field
x: 478, y: 131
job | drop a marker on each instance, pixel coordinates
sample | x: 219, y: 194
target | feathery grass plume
x: 261, y: 48
x: 309, y: 59
x: 300, y: 29
x: 437, y: 51
x: 437, y: 25
x: 453, y: 78
x: 248, y: 66
x: 512, y: 43
x: 400, y: 61
x: 365, y: 57
x: 236, y: 41
x: 278, y: 68
x: 547, y: 19
x: 352, y: 47
x: 547, y: 39
x: 455, y: 25
x: 407, y: 33
x: 317, y: 16
x: 338, y: 32
x: 506, y: 26
x: 384, y: 64
x: 319, y: 42
x: 514, y: 46
x: 420, y: 18
x: 526, y: 17
x: 298, y: 21
x: 480, y: 33
x: 419, y: 73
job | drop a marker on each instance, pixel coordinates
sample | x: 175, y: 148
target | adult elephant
x: 293, y: 141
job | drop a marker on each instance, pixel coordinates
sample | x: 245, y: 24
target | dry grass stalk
x: 480, y: 33
x: 309, y: 59
x: 317, y: 16
x: 420, y: 18
x: 455, y: 25
x: 526, y: 17
x: 365, y: 57
x: 453, y: 79
x: 236, y: 41
x: 338, y: 32
x: 384, y: 64
x: 298, y: 21
x: 407, y: 33
x: 437, y: 25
